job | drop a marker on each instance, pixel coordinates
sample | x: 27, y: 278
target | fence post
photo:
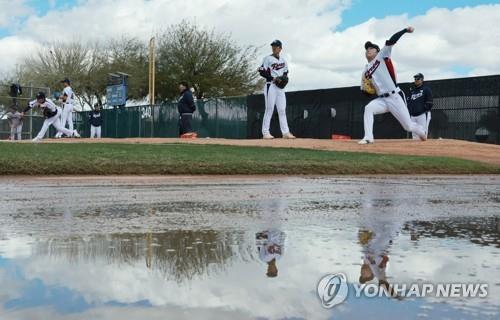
x: 216, y: 118
x: 116, y: 121
x: 140, y: 122
x: 498, y: 116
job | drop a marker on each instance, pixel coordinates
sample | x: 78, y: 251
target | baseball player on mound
x: 52, y: 113
x: 379, y: 78
x: 67, y: 104
x: 274, y: 69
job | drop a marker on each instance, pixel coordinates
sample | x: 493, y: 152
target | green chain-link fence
x: 225, y: 117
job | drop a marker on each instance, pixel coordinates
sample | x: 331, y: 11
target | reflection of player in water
x: 378, y: 228
x: 375, y: 248
x: 270, y: 246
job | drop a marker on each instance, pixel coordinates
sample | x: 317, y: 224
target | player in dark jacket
x: 186, y: 107
x: 95, y: 120
x: 420, y: 103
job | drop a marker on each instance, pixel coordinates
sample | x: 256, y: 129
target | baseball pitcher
x: 379, y: 78
x: 274, y: 69
x: 51, y: 112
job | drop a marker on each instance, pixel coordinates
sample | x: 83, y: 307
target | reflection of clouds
x: 18, y: 247
x: 10, y: 288
x: 242, y: 287
x: 128, y: 313
x: 239, y: 288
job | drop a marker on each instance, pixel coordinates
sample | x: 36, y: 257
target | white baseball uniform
x: 274, y: 67
x: 270, y: 245
x: 67, y: 111
x: 390, y: 98
x: 52, y: 115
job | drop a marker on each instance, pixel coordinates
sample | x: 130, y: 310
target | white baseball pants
x: 395, y: 105
x: 16, y: 132
x: 274, y: 96
x: 56, y: 122
x: 423, y: 120
x: 95, y: 132
x: 66, y: 118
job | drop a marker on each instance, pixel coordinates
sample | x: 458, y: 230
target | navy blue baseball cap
x: 369, y: 44
x: 418, y: 76
x: 65, y: 80
x: 276, y: 43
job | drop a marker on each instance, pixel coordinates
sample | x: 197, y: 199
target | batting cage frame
x: 33, y: 120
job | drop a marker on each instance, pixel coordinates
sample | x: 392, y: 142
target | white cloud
x: 11, y: 10
x: 13, y: 50
x: 319, y: 57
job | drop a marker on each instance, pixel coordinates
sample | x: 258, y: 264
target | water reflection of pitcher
x: 375, y: 247
x: 270, y: 246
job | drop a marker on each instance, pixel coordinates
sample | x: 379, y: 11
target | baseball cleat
x: 36, y: 140
x: 76, y: 134
x: 267, y: 136
x: 288, y: 136
x: 365, y: 141
x: 423, y: 138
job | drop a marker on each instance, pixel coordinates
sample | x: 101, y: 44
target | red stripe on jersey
x: 390, y: 67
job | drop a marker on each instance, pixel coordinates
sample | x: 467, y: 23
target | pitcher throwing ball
x: 379, y: 78
x: 52, y: 114
x: 274, y: 69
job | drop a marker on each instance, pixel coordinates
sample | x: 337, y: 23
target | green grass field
x: 176, y: 159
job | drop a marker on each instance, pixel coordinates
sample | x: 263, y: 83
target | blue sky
x: 42, y: 6
x: 362, y: 10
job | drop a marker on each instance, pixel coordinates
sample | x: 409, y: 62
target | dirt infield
x: 486, y: 153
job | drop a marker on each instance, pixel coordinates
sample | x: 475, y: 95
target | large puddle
x: 240, y: 248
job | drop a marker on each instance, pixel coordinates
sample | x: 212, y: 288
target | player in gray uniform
x: 15, y: 119
x: 51, y: 112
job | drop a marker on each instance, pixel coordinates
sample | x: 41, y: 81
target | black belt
x: 387, y: 94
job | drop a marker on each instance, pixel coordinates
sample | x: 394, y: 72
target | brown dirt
x: 486, y: 153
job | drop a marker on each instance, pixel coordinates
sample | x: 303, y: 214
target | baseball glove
x: 367, y: 86
x: 281, y: 81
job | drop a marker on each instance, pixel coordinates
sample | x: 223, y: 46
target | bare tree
x: 83, y: 64
x: 87, y: 66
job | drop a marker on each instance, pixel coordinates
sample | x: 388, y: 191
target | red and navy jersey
x: 380, y: 71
